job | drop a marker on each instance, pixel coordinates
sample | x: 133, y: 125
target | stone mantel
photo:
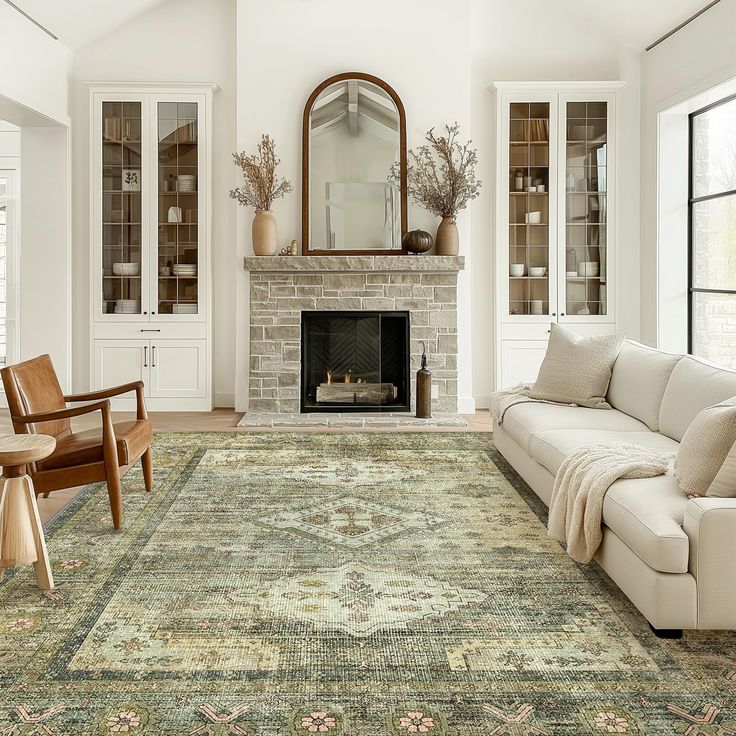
x: 355, y: 264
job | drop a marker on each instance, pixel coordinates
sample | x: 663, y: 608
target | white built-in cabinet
x: 151, y: 242
x: 555, y: 217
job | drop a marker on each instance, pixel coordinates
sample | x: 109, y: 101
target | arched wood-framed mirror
x: 353, y: 132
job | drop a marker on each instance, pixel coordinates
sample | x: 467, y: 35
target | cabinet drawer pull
x: 153, y: 356
x: 150, y: 330
x: 145, y: 356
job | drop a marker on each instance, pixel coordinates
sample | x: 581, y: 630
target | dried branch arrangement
x: 441, y: 175
x: 261, y: 185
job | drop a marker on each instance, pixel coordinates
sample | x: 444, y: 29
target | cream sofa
x: 674, y: 558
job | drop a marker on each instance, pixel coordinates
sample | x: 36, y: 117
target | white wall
x: 463, y: 47
x: 34, y: 95
x: 698, y: 57
x: 555, y: 46
x: 287, y: 48
x: 441, y: 58
x: 45, y: 278
x: 34, y: 68
x: 10, y: 162
x: 179, y: 41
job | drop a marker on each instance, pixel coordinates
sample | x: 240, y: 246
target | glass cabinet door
x: 586, y: 209
x: 529, y: 209
x: 177, y: 259
x: 121, y: 208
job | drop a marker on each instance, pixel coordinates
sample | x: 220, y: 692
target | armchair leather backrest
x: 32, y: 387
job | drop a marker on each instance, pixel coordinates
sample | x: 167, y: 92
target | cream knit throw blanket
x: 576, y: 507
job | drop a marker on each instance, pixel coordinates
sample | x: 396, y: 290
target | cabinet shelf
x: 161, y: 138
x: 560, y: 136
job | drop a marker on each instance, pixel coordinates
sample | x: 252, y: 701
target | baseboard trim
x: 483, y: 402
x: 224, y: 400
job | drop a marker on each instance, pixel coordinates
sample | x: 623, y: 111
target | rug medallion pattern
x: 365, y: 585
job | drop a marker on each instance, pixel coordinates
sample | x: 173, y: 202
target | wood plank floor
x: 219, y: 420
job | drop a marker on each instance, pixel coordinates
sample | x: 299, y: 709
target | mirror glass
x: 354, y: 137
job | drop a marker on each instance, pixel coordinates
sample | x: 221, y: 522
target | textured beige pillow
x: 724, y: 484
x: 704, y: 464
x: 576, y: 369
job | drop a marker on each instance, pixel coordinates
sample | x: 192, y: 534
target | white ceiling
x: 78, y: 22
x: 633, y: 23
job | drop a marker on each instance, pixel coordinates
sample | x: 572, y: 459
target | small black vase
x: 417, y: 241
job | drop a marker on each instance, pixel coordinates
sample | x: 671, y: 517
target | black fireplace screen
x: 355, y: 361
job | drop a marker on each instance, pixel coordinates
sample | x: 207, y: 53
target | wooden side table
x: 21, y: 534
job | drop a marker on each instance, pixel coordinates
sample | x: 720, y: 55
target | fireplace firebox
x: 355, y: 361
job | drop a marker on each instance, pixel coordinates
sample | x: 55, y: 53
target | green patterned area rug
x: 364, y: 584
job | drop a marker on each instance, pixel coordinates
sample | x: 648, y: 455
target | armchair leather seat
x: 83, y: 448
x: 38, y: 406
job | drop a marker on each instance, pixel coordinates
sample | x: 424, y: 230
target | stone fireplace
x: 283, y: 288
x: 355, y: 361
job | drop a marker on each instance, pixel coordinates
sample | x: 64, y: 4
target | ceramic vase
x: 265, y: 239
x: 448, y: 241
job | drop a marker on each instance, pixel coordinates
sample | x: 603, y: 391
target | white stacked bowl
x: 126, y: 269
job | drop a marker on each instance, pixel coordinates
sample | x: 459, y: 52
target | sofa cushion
x: 638, y: 381
x: 693, y: 385
x: 577, y: 369
x: 550, y: 448
x: 523, y: 421
x: 645, y: 513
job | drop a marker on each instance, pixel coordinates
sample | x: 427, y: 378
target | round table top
x: 19, y: 449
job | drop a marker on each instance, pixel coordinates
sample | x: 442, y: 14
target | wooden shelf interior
x: 586, y: 134
x: 123, y: 163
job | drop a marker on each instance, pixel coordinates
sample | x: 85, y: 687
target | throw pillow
x: 576, y: 369
x: 724, y: 484
x: 706, y: 459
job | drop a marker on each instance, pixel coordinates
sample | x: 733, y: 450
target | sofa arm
x: 710, y: 524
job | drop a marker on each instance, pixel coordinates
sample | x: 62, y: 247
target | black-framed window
x: 712, y: 233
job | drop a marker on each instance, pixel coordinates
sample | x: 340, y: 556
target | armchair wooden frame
x: 109, y: 468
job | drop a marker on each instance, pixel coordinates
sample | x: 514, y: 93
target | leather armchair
x: 38, y: 405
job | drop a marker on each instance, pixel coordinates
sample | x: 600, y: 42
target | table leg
x: 17, y: 543
x: 44, y: 578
